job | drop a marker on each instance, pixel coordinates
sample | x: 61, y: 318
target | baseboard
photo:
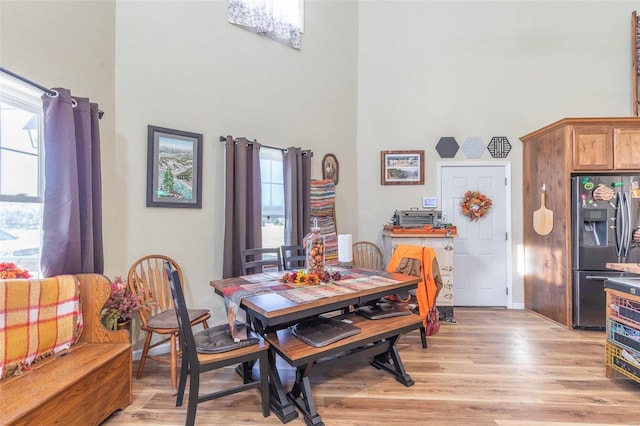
x: 158, y: 350
x: 517, y: 306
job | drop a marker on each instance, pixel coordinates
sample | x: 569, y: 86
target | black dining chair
x: 214, y: 348
x: 257, y: 260
x: 293, y: 257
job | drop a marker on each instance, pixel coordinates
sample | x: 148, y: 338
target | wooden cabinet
x: 603, y: 148
x: 444, y: 253
x: 626, y: 148
x: 592, y: 148
x: 550, y: 155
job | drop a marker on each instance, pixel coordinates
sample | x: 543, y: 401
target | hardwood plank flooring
x: 494, y: 367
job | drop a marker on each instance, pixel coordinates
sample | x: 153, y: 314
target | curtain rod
x: 36, y: 85
x: 304, y: 152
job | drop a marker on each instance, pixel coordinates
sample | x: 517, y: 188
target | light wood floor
x: 494, y: 367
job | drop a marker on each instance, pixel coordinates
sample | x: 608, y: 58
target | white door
x: 480, y: 254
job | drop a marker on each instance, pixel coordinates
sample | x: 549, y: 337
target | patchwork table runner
x: 352, y: 280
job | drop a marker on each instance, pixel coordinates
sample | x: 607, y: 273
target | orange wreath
x: 475, y: 204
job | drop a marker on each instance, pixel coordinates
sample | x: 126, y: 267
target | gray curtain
x: 243, y: 202
x: 297, y: 178
x: 72, y: 210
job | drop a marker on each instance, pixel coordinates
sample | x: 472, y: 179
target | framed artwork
x: 330, y: 168
x: 174, y: 168
x: 402, y: 167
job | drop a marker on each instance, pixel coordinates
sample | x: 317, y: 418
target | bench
x: 83, y: 384
x: 377, y: 339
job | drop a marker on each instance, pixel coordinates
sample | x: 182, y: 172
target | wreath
x: 475, y: 205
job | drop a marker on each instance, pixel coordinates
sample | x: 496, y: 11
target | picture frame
x: 330, y: 168
x: 174, y: 168
x: 402, y: 167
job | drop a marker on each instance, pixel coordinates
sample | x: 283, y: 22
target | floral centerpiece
x: 9, y: 270
x: 302, y: 277
x: 121, y: 305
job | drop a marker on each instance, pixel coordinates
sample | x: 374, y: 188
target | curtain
x: 243, y: 202
x: 297, y: 177
x: 278, y: 19
x: 72, y: 209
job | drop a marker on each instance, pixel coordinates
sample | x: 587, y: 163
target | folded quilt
x: 38, y: 317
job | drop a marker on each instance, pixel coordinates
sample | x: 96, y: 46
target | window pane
x: 19, y: 174
x: 19, y: 129
x: 272, y: 197
x: 20, y: 124
x: 277, y: 174
x: 20, y: 235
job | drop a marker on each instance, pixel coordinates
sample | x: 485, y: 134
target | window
x: 21, y: 174
x: 278, y: 19
x: 272, y: 180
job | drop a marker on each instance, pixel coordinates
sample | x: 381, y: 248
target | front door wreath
x: 475, y: 205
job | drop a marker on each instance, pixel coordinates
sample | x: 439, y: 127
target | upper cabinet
x: 592, y: 148
x: 626, y: 149
x: 601, y: 147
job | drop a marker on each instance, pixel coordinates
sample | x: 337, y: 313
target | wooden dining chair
x: 293, y: 257
x: 148, y: 278
x: 256, y: 260
x: 214, y: 348
x: 367, y: 255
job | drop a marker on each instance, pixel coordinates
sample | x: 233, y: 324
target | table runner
x: 352, y: 280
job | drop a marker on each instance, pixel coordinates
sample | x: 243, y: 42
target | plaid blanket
x: 38, y: 317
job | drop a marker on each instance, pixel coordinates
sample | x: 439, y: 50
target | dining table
x: 274, y: 306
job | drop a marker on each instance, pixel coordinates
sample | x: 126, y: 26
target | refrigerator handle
x: 619, y: 225
x: 627, y: 228
x: 596, y: 278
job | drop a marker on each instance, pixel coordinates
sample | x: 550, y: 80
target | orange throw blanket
x: 419, y: 261
x: 38, y: 317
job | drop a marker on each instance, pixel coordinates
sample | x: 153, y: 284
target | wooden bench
x: 377, y: 339
x: 82, y: 385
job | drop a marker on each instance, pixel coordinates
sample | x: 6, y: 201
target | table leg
x: 280, y: 404
x: 390, y: 361
x: 301, y: 396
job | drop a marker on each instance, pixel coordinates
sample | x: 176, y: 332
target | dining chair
x: 367, y: 255
x: 215, y: 348
x: 293, y: 257
x: 147, y: 278
x: 256, y: 260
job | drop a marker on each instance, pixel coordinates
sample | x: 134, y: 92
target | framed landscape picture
x: 174, y: 168
x: 402, y: 167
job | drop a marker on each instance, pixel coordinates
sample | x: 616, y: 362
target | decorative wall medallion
x: 473, y: 147
x: 447, y: 147
x: 330, y: 168
x: 499, y: 147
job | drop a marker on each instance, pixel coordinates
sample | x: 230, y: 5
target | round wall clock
x: 330, y: 168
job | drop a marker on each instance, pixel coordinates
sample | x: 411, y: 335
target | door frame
x: 506, y: 167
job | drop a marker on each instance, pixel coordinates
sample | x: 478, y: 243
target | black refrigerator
x: 604, y: 216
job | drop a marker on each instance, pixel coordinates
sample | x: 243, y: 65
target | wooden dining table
x: 272, y: 307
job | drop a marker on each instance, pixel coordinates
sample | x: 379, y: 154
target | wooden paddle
x: 543, y: 217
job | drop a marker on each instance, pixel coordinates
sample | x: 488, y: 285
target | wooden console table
x: 272, y: 314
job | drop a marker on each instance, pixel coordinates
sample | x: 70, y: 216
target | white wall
x: 180, y: 65
x: 371, y: 76
x: 429, y: 69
